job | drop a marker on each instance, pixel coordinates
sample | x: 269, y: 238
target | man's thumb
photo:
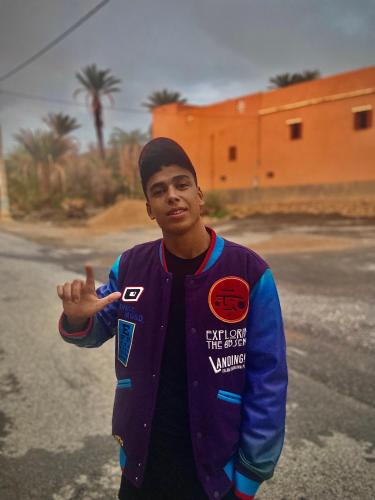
x: 113, y: 297
x: 105, y: 301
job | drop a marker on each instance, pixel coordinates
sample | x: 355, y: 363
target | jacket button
x: 136, y: 478
x: 193, y: 330
x: 161, y: 326
x: 195, y: 383
x: 167, y: 280
x: 145, y: 425
x: 199, y: 435
x: 216, y: 494
x: 140, y: 464
x: 154, y: 375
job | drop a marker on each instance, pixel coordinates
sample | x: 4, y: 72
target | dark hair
x: 162, y: 152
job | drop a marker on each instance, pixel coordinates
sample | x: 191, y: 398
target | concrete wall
x: 353, y: 190
x: 330, y: 150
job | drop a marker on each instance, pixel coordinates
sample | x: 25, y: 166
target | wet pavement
x: 55, y: 438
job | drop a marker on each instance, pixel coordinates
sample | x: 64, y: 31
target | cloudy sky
x: 208, y: 50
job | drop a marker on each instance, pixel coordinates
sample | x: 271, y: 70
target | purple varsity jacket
x: 236, y: 361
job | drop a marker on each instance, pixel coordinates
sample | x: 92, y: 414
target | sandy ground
x: 102, y: 227
x: 131, y: 214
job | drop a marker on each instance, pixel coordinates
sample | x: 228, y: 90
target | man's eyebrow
x: 175, y: 178
x: 180, y: 177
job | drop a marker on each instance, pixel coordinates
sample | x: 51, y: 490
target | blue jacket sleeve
x: 264, y: 398
x: 103, y: 325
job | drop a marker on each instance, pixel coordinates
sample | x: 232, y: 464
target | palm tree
x: 44, y: 148
x: 286, y: 79
x: 61, y: 124
x: 97, y: 83
x: 126, y: 147
x: 161, y: 97
x: 120, y: 137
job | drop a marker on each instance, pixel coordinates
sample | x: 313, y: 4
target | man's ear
x: 201, y: 199
x: 149, y: 211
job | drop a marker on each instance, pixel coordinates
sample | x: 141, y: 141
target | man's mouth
x: 177, y: 211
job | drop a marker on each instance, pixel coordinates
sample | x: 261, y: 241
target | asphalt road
x: 56, y: 400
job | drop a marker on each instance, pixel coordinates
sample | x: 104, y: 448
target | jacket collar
x: 213, y: 253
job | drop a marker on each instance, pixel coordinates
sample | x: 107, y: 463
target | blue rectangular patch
x: 125, y: 334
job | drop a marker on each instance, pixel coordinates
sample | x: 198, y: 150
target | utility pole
x: 4, y: 201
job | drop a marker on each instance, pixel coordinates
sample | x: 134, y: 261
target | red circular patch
x: 229, y: 299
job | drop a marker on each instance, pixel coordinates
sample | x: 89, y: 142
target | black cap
x: 162, y: 152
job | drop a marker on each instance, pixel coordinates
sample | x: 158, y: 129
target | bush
x: 214, y: 205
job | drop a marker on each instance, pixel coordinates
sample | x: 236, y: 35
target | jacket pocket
x: 230, y: 397
x: 124, y: 383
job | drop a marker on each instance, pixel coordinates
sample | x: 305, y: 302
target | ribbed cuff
x: 69, y: 332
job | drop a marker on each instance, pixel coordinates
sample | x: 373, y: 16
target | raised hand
x: 79, y: 298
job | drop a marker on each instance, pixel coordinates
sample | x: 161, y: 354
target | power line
x: 55, y: 41
x: 66, y: 102
x: 119, y: 109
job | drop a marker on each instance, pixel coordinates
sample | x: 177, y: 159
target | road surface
x: 56, y: 399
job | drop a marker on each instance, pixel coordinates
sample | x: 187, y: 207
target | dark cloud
x: 206, y: 49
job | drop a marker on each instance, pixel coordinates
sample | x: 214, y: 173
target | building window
x: 295, y: 131
x: 295, y: 128
x: 362, y: 119
x: 223, y: 178
x: 232, y: 153
x: 270, y: 174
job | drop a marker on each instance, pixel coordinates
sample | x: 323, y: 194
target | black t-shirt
x: 170, y: 429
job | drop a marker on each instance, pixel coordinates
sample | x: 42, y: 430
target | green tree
x: 61, y: 124
x: 286, y: 79
x: 97, y: 83
x: 23, y: 186
x: 161, y: 97
x: 125, y: 150
x: 44, y: 149
x: 120, y: 137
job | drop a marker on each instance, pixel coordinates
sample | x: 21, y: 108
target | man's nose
x: 172, y: 193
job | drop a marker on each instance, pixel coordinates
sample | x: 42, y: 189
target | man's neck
x: 190, y: 244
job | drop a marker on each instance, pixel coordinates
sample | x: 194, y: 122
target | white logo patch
x: 229, y: 363
x: 132, y: 293
x: 225, y: 339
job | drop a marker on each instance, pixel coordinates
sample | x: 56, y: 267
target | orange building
x: 317, y: 132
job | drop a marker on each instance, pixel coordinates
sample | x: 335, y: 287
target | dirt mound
x: 121, y: 215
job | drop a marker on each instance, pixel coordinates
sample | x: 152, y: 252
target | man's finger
x: 60, y: 291
x: 90, y: 280
x: 109, y: 299
x: 76, y: 290
x: 67, y: 292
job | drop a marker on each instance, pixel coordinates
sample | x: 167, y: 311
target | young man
x: 199, y: 410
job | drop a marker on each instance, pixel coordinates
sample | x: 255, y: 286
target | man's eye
x: 182, y: 186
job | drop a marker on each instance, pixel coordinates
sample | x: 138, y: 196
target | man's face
x: 174, y: 199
